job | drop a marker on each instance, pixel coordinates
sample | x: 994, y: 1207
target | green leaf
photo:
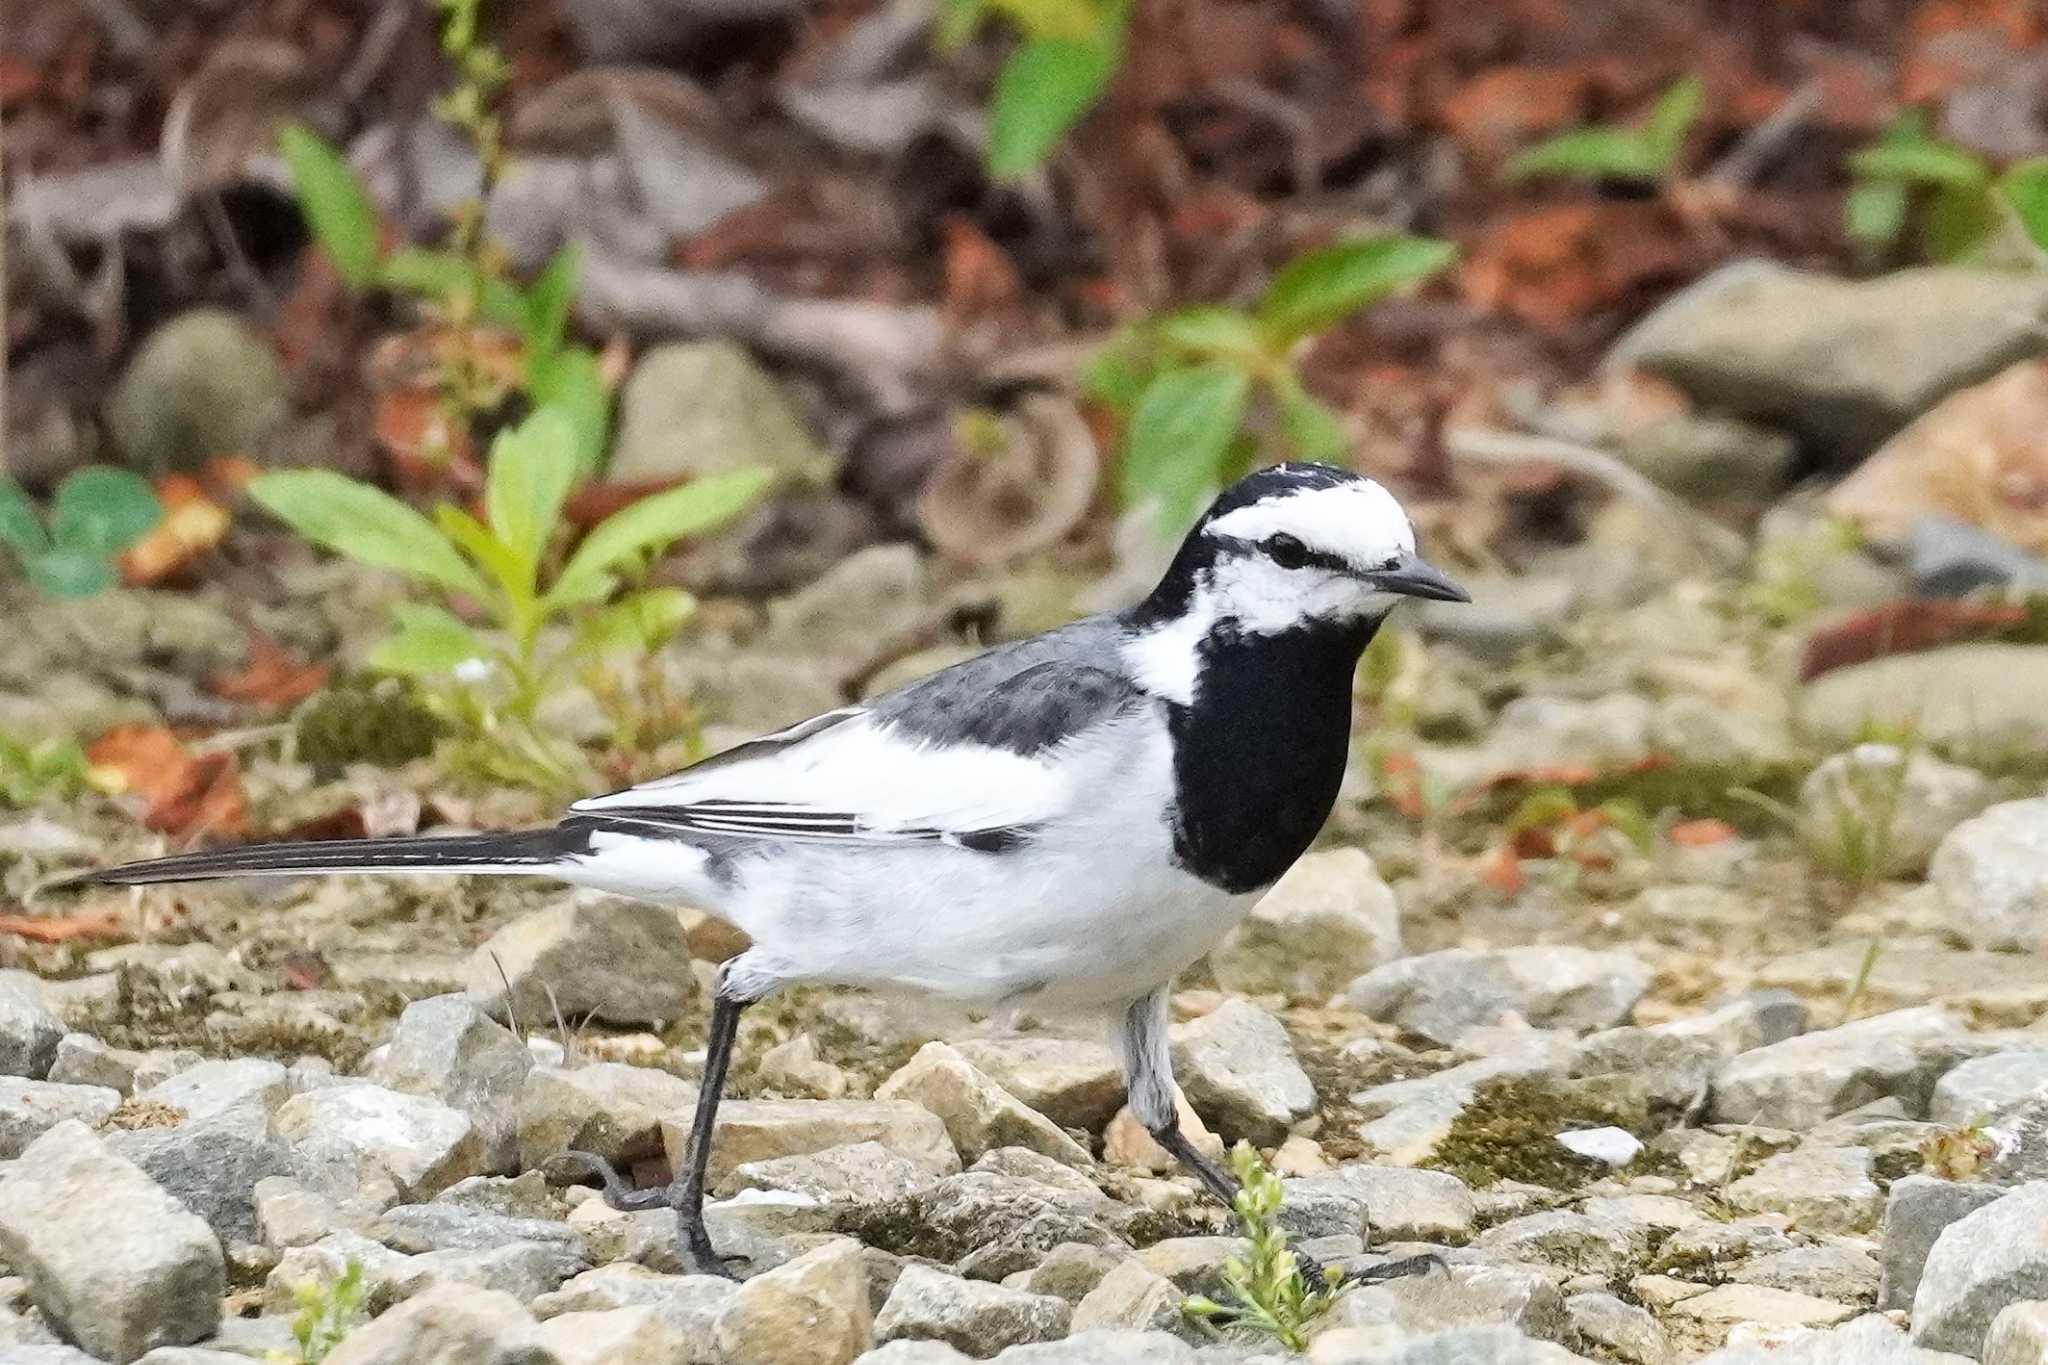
x: 474, y: 539
x: 1317, y: 289
x: 654, y: 523
x: 1592, y: 154
x: 1042, y: 91
x: 1180, y: 429
x: 1672, y: 117
x: 548, y: 300
x: 334, y: 204
x: 1960, y: 222
x: 19, y: 525
x: 427, y: 640
x: 531, y: 470
x: 71, y: 573
x: 1874, y: 214
x: 1210, y: 330
x: 441, y: 275
x: 1119, y: 371
x: 642, y: 620
x: 2026, y: 189
x: 363, y: 523
x: 101, y: 511
x: 1314, y: 432
x: 573, y: 384
x: 1921, y: 161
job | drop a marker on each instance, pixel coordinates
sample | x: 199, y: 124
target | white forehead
x: 1359, y: 520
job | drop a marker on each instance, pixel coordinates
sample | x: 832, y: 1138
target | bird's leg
x: 685, y: 1192
x: 1141, y: 1044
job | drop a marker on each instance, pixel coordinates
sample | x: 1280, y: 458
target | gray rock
x: 608, y: 1108
x: 1508, y: 613
x: 28, y: 1109
x: 290, y: 1215
x: 1707, y: 455
x: 201, y: 385
x: 914, y: 1353
x: 691, y: 1300
x: 1840, y: 1269
x: 1440, y: 995
x: 588, y: 955
x: 986, y: 1225
x: 857, y: 1171
x: 525, y: 1270
x: 348, y: 1136
x: 1328, y: 920
x: 1982, y: 1086
x: 1074, y: 1082
x: 815, y: 1308
x: 1655, y: 1078
x: 448, y: 1048
x: 641, y: 1335
x: 705, y: 407
x: 1194, y: 1264
x: 1069, y: 1271
x: 2018, y: 1135
x: 1105, y: 1346
x: 1457, y: 1297
x: 1821, y: 1189
x: 1622, y: 1330
x: 81, y: 1059
x: 979, y: 1115
x: 1712, y: 1248
x: 1869, y: 1340
x: 1918, y: 1209
x: 388, y: 1276
x: 1237, y: 1068
x: 1992, y: 876
x: 1918, y: 971
x: 1405, y: 1120
x: 211, y: 1165
x: 157, y: 1283
x: 755, y: 1130
x: 44, y: 1353
x: 2018, y: 1336
x: 1586, y: 1243
x: 447, y: 1323
x: 215, y: 1087
x: 1459, y: 1346
x: 417, y: 1228
x: 1021, y: 1163
x: 977, y: 1318
x: 1975, y: 695
x: 1135, y: 1297
x: 1804, y: 1081
x: 1403, y: 1204
x: 1754, y: 1019
x: 29, y: 1032
x: 1881, y: 804
x: 872, y: 594
x: 1843, y: 364
x: 1989, y: 1258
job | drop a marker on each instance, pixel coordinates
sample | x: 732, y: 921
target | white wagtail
x: 1067, y: 821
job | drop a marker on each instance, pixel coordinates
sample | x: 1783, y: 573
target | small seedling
x: 1969, y: 210
x: 1264, y: 1287
x: 1069, y: 53
x: 32, y: 771
x: 1958, y: 1153
x: 327, y: 1312
x: 1646, y: 155
x: 1184, y: 383
x: 97, y: 513
x: 542, y: 627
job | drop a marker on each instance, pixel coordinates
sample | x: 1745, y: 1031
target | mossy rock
x: 1509, y: 1132
x: 202, y: 385
x: 379, y: 721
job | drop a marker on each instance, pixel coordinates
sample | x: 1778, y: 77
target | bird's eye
x: 1285, y: 550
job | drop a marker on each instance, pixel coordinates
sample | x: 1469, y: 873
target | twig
x: 561, y: 1029
x: 1510, y: 448
x: 511, y: 1010
x: 1754, y: 150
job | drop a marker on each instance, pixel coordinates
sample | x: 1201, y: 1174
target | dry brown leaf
x: 193, y: 523
x: 104, y: 922
x: 183, y: 794
x: 268, y: 676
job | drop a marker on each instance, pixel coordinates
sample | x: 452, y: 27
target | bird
x: 1064, y: 822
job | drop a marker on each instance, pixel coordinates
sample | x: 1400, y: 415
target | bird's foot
x: 1315, y: 1276
x: 617, y: 1193
x: 693, y: 1245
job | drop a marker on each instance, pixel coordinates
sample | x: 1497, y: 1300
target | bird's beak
x: 1413, y: 576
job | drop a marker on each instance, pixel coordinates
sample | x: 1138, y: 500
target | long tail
x: 531, y: 852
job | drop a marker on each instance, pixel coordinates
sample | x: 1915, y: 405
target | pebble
x: 216, y: 1087
x: 1237, y: 1067
x: 446, y: 1323
x: 1918, y: 1209
x: 447, y: 1048
x: 1440, y: 995
x: 814, y: 1308
x: 2019, y: 1335
x: 1884, y: 805
x: 794, y: 1068
x: 1621, y: 1329
x: 29, y: 1032
x: 609, y: 1108
x: 1868, y: 1340
x: 1134, y: 1296
x: 1821, y: 1189
x: 1069, y: 1271
x: 1802, y: 1082
x: 1990, y: 1257
x: 350, y: 1136
x: 82, y: 1059
x: 201, y: 385
x: 1459, y: 1346
x: 1328, y: 920
x: 1460, y: 1296
x: 977, y: 1318
x: 1753, y: 1303
x: 212, y: 1165
x: 1990, y: 873
x: 1074, y: 1082
x: 1405, y: 1205
x: 157, y: 1283
x: 693, y: 408
x: 1587, y: 1243
x: 856, y: 1171
x: 979, y: 1114
x: 641, y: 1335
x: 28, y: 1109
x: 1982, y: 1086
x: 586, y: 956
x: 756, y: 1130
x: 1839, y: 1268
x: 987, y: 1226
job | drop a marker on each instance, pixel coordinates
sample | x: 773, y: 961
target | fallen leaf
x: 269, y: 676
x: 183, y: 794
x: 1700, y: 833
x: 1502, y: 871
x: 104, y: 922
x: 192, y: 524
x: 1906, y: 626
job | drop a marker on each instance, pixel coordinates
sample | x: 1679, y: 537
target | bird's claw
x: 1316, y: 1276
x: 617, y: 1193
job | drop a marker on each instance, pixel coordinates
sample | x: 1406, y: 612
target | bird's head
x: 1294, y: 544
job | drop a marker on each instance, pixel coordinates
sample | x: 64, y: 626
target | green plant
x: 97, y: 513
x: 1068, y: 54
x: 1183, y: 383
x: 490, y: 681
x: 1648, y: 154
x: 327, y: 1312
x: 1969, y: 211
x: 33, y: 770
x: 1265, y: 1289
x: 465, y: 282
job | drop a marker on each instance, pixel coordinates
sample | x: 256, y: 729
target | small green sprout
x: 327, y: 1312
x: 1265, y: 1289
x: 1969, y: 210
x: 97, y: 513
x: 1647, y: 155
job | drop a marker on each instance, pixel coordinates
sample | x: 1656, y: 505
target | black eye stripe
x: 1320, y: 559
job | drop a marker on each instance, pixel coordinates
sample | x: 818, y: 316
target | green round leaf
x: 101, y: 511
x: 1043, y: 90
x: 1179, y: 431
x: 71, y: 573
x: 1318, y: 289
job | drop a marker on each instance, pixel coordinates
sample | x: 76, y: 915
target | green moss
x: 1509, y: 1132
x: 379, y: 721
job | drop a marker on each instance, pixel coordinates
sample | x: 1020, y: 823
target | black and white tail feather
x: 536, y: 852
